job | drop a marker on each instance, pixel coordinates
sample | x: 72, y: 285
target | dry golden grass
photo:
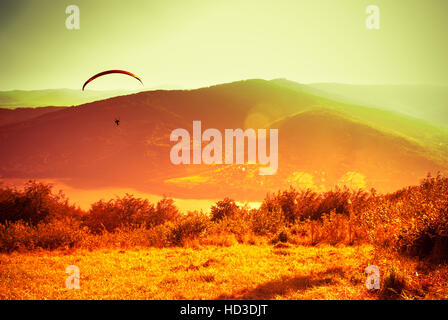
x: 238, y: 271
x: 208, y: 272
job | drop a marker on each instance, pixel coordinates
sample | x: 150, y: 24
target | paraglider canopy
x: 109, y: 72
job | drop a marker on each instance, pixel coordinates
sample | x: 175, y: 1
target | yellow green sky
x: 201, y: 42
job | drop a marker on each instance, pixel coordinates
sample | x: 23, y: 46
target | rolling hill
x: 322, y: 142
x: 425, y: 102
x: 52, y: 97
x: 8, y: 116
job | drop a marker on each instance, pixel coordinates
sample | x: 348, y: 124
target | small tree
x: 165, y: 211
x: 286, y: 201
x: 129, y: 211
x: 35, y: 203
x: 224, y: 208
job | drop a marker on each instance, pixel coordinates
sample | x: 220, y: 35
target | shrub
x: 413, y: 220
x: 234, y: 226
x: 307, y: 204
x: 106, y: 216
x: 334, y: 227
x: 264, y: 222
x: 286, y: 201
x: 160, y: 235
x: 165, y: 211
x: 225, y: 208
x: 189, y: 227
x: 281, y: 236
x: 16, y: 235
x: 59, y: 233
x: 51, y: 235
x: 34, y: 204
x: 127, y: 212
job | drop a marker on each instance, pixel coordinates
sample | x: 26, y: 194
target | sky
x: 195, y: 43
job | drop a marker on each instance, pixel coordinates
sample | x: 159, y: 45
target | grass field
x: 209, y: 272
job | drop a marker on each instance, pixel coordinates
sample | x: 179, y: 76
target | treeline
x: 412, y: 221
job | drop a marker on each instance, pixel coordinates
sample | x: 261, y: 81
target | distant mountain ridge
x: 322, y: 142
x: 425, y: 102
x: 53, y: 97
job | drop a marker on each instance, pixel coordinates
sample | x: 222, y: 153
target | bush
x: 51, y: 235
x: 226, y: 208
x: 129, y: 212
x: 165, y: 211
x: 286, y: 201
x: 35, y: 203
x: 234, y: 226
x: 264, y: 222
x: 413, y: 220
x: 281, y: 236
x: 160, y: 235
x: 189, y: 227
x: 307, y: 204
x: 16, y: 235
x: 334, y: 227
